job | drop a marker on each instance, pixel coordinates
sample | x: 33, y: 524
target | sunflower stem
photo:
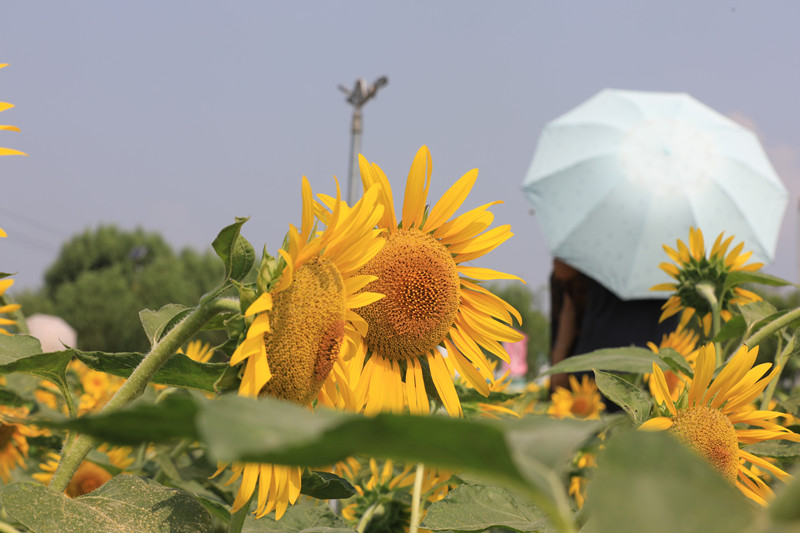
x: 237, y: 518
x: 780, y: 362
x: 367, y: 516
x: 756, y: 338
x: 135, y: 385
x: 706, y: 290
x: 415, y: 501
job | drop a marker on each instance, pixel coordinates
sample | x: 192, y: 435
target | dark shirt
x: 609, y: 322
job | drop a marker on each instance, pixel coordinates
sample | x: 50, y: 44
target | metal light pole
x: 359, y: 96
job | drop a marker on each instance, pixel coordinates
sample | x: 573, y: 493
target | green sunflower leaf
x: 303, y: 517
x: 172, y: 418
x: 125, y: 504
x: 775, y: 448
x: 784, y: 509
x: 648, y: 481
x: 236, y: 253
x: 178, y: 371
x: 676, y: 362
x: 480, y: 507
x: 157, y: 323
x: 325, y: 486
x: 734, y: 328
x: 23, y: 353
x: 9, y: 397
x: 630, y: 359
x: 635, y: 402
x: 737, y: 278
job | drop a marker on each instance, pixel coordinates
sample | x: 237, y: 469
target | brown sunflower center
x: 88, y: 477
x: 6, y: 432
x: 419, y: 279
x: 307, y: 322
x: 709, y: 432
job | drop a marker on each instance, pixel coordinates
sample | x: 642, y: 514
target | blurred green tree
x: 535, y: 323
x: 102, y: 278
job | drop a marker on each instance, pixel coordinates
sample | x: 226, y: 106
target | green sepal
x: 236, y: 253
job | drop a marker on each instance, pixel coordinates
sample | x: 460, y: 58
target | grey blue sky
x: 178, y: 116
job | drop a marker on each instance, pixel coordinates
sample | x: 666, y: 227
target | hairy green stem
x: 415, y: 501
x: 135, y: 385
x: 366, y: 517
x: 780, y: 362
x: 706, y: 290
x: 237, y: 518
x: 756, y: 338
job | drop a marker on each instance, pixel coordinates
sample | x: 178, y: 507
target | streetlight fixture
x: 357, y: 97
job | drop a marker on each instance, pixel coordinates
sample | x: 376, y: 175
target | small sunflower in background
x: 90, y: 475
x: 692, y: 269
x: 303, y: 326
x: 684, y: 342
x: 431, y: 297
x: 14, y: 434
x: 383, y: 500
x: 714, y: 418
x: 3, y: 107
x: 583, y: 400
x: 578, y: 481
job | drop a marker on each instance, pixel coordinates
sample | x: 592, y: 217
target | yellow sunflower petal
x: 657, y: 424
x: 450, y: 201
x: 416, y: 195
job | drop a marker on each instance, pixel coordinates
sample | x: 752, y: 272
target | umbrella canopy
x: 627, y: 171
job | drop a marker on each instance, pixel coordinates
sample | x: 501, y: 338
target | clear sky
x: 178, y: 116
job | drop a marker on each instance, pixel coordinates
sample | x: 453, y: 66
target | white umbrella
x: 627, y: 171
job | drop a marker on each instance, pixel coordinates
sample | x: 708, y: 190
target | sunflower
x: 14, y: 435
x: 384, y: 494
x: 693, y: 268
x: 303, y: 327
x: 710, y: 420
x: 90, y: 475
x: 684, y: 342
x: 432, y: 298
x: 6, y: 307
x: 582, y: 400
x: 3, y: 107
x: 578, y: 481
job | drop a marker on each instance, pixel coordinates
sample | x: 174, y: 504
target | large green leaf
x: 737, y: 278
x: 178, y: 371
x: 527, y: 454
x: 325, y: 486
x: 631, y: 399
x: 125, y: 504
x: 173, y: 418
x: 157, y: 323
x: 784, y: 509
x: 648, y: 481
x: 480, y: 507
x: 303, y: 517
x: 236, y: 253
x: 23, y: 353
x: 775, y: 448
x: 630, y: 359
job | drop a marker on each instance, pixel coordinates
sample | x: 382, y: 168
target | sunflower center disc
x: 419, y: 279
x: 307, y: 322
x: 6, y: 432
x: 709, y: 432
x: 88, y: 477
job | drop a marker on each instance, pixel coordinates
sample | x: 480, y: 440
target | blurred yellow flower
x: 582, y: 400
x: 3, y: 107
